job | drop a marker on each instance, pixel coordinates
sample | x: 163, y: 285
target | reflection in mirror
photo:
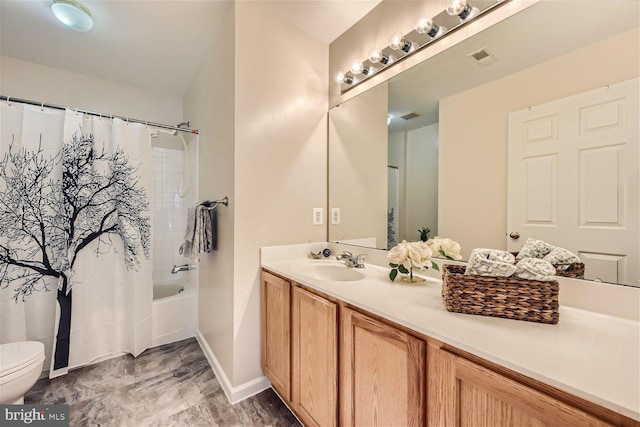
x: 462, y: 111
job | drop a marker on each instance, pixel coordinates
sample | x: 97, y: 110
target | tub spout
x: 178, y: 268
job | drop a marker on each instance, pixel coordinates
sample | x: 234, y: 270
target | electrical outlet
x: 318, y: 214
x: 335, y: 216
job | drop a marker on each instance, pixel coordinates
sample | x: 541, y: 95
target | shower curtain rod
x: 10, y: 99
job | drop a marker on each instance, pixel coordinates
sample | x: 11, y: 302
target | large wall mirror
x: 527, y: 129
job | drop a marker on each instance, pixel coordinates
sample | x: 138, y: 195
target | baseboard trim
x: 234, y: 394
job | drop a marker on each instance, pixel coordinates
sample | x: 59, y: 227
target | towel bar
x: 224, y: 201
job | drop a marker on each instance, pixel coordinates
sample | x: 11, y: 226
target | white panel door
x: 573, y: 179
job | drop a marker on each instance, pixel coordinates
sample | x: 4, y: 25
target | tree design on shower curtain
x: 47, y: 220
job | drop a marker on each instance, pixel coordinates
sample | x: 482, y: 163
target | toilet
x: 20, y: 368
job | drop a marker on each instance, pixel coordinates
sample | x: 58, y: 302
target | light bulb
x: 398, y: 42
x: 375, y: 55
x: 424, y: 25
x: 456, y: 7
x: 359, y: 68
x: 428, y: 27
x: 341, y: 77
x: 462, y: 9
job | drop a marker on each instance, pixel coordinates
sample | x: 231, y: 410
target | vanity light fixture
x: 73, y: 14
x: 462, y: 9
x: 428, y: 30
x: 428, y: 27
x: 398, y: 42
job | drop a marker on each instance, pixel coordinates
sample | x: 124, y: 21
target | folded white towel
x: 490, y: 262
x: 535, y: 269
x: 534, y: 248
x: 502, y: 256
x: 561, y: 258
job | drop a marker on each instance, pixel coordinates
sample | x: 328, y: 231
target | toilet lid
x: 16, y: 355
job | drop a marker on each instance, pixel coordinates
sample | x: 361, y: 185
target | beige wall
x: 209, y: 104
x: 472, y: 205
x: 22, y: 79
x: 358, y: 167
x: 280, y: 158
x: 422, y: 181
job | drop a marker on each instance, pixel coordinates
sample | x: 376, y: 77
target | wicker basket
x: 508, y: 297
x: 575, y: 270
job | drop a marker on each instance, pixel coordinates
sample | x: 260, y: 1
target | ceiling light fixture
x: 72, y: 14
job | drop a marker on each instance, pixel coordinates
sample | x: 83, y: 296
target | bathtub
x: 173, y: 312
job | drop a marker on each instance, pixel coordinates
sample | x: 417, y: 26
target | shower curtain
x: 75, y: 224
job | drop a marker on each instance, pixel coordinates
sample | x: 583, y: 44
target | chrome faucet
x: 350, y: 260
x: 178, y: 268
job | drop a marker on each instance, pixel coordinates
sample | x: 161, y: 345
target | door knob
x: 514, y: 235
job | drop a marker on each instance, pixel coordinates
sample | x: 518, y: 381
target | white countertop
x: 590, y: 355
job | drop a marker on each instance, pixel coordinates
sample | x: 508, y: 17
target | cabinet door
x: 381, y: 374
x: 275, y: 355
x: 481, y: 397
x: 314, y: 343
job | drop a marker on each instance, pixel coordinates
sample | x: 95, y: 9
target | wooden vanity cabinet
x: 464, y: 393
x: 314, y: 345
x: 337, y: 365
x: 382, y: 373
x: 275, y: 316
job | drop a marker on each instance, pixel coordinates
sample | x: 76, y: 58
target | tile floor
x: 170, y: 385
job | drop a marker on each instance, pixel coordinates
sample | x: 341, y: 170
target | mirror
x: 448, y: 167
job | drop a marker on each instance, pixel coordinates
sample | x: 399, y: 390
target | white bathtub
x: 173, y: 312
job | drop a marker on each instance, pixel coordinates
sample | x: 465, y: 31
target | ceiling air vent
x: 483, y: 57
x: 410, y: 116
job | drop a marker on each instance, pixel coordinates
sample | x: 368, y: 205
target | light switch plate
x: 335, y: 216
x: 318, y: 216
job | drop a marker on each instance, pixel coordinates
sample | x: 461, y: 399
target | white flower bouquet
x: 445, y: 248
x: 406, y: 256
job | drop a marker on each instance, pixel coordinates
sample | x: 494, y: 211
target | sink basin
x: 329, y: 271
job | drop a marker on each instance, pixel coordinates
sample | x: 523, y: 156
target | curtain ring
x: 99, y: 117
x: 42, y: 106
x: 9, y: 101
